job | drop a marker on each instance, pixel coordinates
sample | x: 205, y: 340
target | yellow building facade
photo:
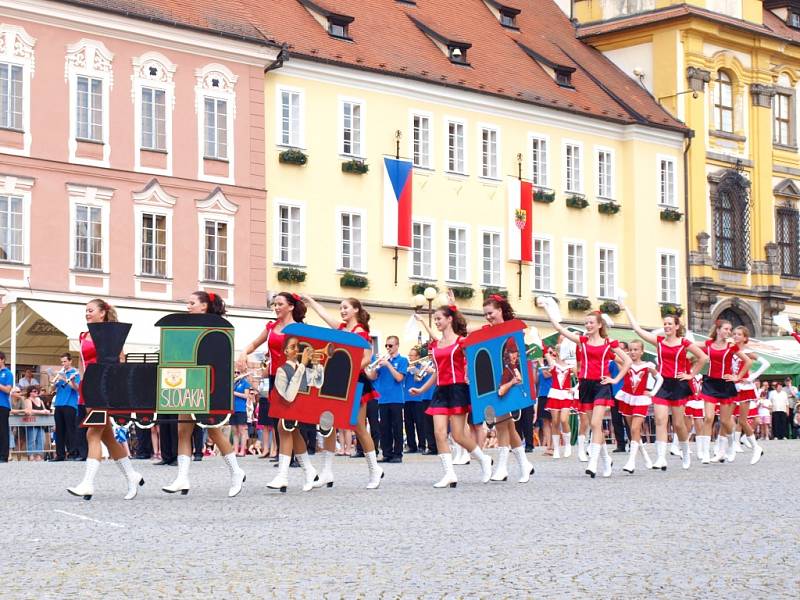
x: 327, y: 222
x: 729, y: 69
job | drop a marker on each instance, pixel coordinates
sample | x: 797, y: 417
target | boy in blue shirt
x: 6, y: 384
x: 66, y: 383
x: 389, y: 375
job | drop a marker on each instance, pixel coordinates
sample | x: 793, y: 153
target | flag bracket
x: 395, y: 266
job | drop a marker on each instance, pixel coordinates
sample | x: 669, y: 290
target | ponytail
x: 717, y: 324
x: 214, y: 304
x: 299, y: 308
x: 501, y: 304
x: 362, y: 316
x: 459, y: 322
x: 680, y: 330
x: 110, y: 311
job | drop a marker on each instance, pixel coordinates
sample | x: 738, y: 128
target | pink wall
x: 49, y: 164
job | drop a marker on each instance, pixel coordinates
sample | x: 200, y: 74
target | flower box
x: 671, y: 309
x: 293, y: 156
x: 579, y: 304
x: 359, y: 167
x: 544, y: 195
x: 577, y: 201
x: 608, y: 208
x: 671, y: 214
x: 350, y: 279
x: 291, y: 275
x: 610, y: 307
x: 493, y: 291
x: 420, y: 287
x: 463, y: 292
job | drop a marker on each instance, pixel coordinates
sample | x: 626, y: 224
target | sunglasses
x: 389, y: 346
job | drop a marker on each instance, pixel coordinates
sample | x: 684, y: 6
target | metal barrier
x: 20, y: 427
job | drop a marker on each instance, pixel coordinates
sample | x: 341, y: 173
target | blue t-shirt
x: 240, y: 404
x: 391, y: 390
x: 6, y: 378
x: 410, y: 382
x: 65, y: 395
x: 545, y: 383
x: 613, y: 370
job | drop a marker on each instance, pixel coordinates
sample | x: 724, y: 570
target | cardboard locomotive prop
x: 192, y: 374
x: 330, y: 393
x: 495, y: 356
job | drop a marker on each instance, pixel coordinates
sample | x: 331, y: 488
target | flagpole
x: 397, y: 135
x: 519, y: 269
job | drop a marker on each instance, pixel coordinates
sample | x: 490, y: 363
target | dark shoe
x: 294, y: 463
x: 385, y: 460
x: 3, y: 460
x: 528, y: 448
x: 411, y: 451
x: 58, y: 459
x: 161, y: 462
x: 75, y: 458
x: 198, y: 458
x: 429, y: 452
x: 395, y: 459
x: 619, y: 450
x: 142, y: 457
x: 358, y: 455
x: 172, y: 463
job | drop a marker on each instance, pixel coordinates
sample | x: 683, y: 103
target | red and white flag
x: 520, y: 221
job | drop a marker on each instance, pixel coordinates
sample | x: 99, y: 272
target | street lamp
x: 428, y: 295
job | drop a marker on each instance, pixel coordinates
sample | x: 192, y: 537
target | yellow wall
x: 597, y: 10
x: 442, y: 198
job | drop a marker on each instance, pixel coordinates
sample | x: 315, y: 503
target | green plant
x: 610, y: 307
x: 463, y: 292
x: 291, y: 275
x: 671, y: 214
x: 608, y: 208
x: 350, y: 279
x: 544, y: 195
x: 579, y: 304
x: 355, y: 166
x: 671, y: 309
x: 420, y: 287
x: 493, y: 291
x: 577, y: 201
x: 293, y: 156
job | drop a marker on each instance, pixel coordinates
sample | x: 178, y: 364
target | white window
x: 154, y: 100
x: 290, y: 118
x: 455, y: 147
x: 215, y: 264
x: 88, y: 237
x: 89, y: 106
x: 542, y: 265
x: 489, y: 153
x: 11, y: 229
x: 154, y: 119
x: 573, y: 160
x: 666, y: 171
x: 352, y: 123
x: 491, y: 260
x: 668, y: 277
x: 422, y: 141
x: 457, y: 254
x: 605, y: 174
x: 216, y: 128
x: 539, y: 161
x: 575, y: 269
x: 351, y: 236
x: 422, y: 250
x: 607, y: 272
x: 11, y: 96
x: 289, y: 237
x: 154, y: 245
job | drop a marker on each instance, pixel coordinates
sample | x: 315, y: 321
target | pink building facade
x: 131, y: 158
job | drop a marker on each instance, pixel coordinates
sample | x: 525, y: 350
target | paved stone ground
x: 722, y: 531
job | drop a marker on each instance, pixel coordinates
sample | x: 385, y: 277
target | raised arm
x: 322, y: 312
x: 645, y: 335
x: 250, y: 348
x: 763, y: 365
x: 422, y: 322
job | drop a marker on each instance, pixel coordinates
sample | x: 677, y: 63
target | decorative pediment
x: 154, y: 195
x: 216, y: 202
x: 787, y: 188
x: 730, y: 177
x: 16, y: 43
x: 90, y: 56
x: 216, y: 77
x: 152, y: 66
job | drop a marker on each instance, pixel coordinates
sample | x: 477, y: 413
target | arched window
x: 729, y: 203
x: 723, y: 102
x: 787, y: 237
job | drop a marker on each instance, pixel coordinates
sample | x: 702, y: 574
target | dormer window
x: 563, y: 77
x: 457, y: 54
x: 561, y: 74
x: 452, y: 47
x: 338, y: 28
x: 507, y: 15
x: 508, y: 19
x: 336, y: 24
x: 794, y: 20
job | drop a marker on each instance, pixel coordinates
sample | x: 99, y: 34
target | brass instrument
x: 423, y: 366
x: 371, y: 366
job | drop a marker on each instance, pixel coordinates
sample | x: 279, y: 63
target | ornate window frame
x: 152, y: 70
x: 737, y: 186
x: 216, y: 81
x: 16, y: 48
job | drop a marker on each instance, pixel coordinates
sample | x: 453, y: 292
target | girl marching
x: 451, y: 404
x: 634, y: 400
x: 746, y: 389
x: 201, y: 303
x: 594, y: 352
x: 99, y: 311
x: 676, y: 371
x: 355, y: 319
x: 719, y: 388
x: 560, y: 401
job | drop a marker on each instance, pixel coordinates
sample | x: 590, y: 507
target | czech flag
x: 397, y: 203
x: 520, y: 220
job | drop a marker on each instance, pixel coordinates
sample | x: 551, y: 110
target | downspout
x: 689, y: 137
x: 283, y: 55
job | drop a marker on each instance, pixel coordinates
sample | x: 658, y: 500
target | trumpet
x: 320, y: 354
x: 371, y: 366
x: 423, y: 367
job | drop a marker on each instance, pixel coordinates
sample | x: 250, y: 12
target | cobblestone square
x: 716, y: 531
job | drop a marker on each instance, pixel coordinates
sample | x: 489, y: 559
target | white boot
x: 309, y: 472
x: 556, y: 440
x: 326, y: 475
x: 237, y: 474
x: 281, y: 480
x: 674, y: 449
x: 746, y: 442
x: 449, y: 479
x: 486, y: 463
x: 661, y: 456
x: 565, y: 438
x: 737, y: 446
x: 582, y: 456
x: 730, y: 454
x: 525, y: 466
x: 594, y: 456
x: 86, y: 487
x: 607, y: 462
x: 460, y: 456
x: 704, y: 448
x: 720, y: 449
x: 181, y: 483
x: 686, y: 457
x: 375, y: 472
x: 133, y: 478
x: 501, y: 470
x: 648, y: 464
x: 758, y: 451
x: 630, y: 466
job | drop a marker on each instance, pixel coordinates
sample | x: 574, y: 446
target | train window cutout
x: 328, y: 392
x: 191, y: 374
x: 499, y: 371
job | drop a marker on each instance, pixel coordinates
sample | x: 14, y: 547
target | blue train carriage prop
x: 330, y: 394
x: 193, y: 373
x: 495, y: 354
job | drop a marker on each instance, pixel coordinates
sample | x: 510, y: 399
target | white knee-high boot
x: 86, y: 487
x: 181, y: 483
x: 237, y: 474
x: 449, y: 479
x: 132, y: 478
x: 525, y: 467
x: 326, y: 475
x: 501, y: 470
x: 281, y: 480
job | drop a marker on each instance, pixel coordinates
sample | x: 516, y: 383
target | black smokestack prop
x: 109, y: 338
